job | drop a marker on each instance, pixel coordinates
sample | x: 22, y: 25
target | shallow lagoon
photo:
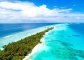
x: 20, y: 35
x: 61, y: 43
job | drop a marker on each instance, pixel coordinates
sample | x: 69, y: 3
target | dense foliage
x: 18, y: 50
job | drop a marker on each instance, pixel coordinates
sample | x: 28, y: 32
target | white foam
x: 42, y: 45
x: 8, y: 36
x: 18, y: 36
x: 39, y: 47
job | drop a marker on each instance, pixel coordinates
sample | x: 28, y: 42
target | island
x: 18, y: 50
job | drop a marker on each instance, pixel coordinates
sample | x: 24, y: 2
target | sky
x: 41, y: 11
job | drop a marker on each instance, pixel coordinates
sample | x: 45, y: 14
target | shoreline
x: 37, y: 47
x: 21, y: 35
x: 23, y: 46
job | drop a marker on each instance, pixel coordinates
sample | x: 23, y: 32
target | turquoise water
x: 63, y: 43
x: 14, y: 32
x: 7, y: 29
x: 20, y: 35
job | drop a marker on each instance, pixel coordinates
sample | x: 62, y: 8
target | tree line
x: 18, y: 50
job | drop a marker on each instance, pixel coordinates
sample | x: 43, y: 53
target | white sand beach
x: 42, y: 45
x: 18, y: 36
x: 61, y: 43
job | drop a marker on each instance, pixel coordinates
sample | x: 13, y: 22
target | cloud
x: 26, y: 12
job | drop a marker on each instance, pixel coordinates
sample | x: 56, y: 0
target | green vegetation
x: 18, y: 50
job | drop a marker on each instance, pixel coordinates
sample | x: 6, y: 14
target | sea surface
x: 64, y: 42
x: 7, y: 29
x: 14, y: 32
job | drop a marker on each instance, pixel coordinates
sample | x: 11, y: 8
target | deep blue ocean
x: 64, y: 42
x: 7, y: 29
x: 77, y: 27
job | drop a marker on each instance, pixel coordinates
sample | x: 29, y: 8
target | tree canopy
x: 18, y: 50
